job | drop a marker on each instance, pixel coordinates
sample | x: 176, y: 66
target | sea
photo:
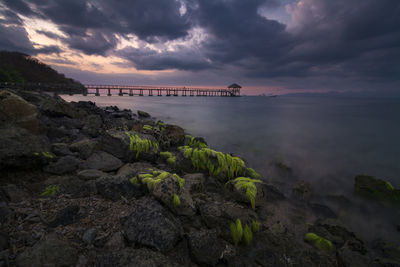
x: 324, y: 140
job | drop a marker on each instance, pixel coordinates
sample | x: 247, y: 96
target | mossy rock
x: 376, y: 189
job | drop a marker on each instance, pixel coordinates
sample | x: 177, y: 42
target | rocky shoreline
x: 87, y: 186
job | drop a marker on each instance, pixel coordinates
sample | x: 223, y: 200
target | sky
x: 267, y: 46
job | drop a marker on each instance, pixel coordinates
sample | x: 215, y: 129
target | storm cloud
x: 357, y: 42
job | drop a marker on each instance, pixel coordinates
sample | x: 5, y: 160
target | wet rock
x: 89, y: 236
x: 174, y: 134
x: 134, y: 257
x: 322, y: 210
x: 61, y: 149
x: 113, y: 187
x: 14, y: 109
x: 194, y: 182
x: 132, y: 169
x: 90, y: 174
x: 63, y: 165
x: 387, y: 249
x: 18, y: 148
x: 302, y: 190
x: 143, y: 114
x: 165, y: 192
x: 84, y: 147
x: 116, y: 242
x: 5, y: 211
x: 377, y: 189
x: 57, y: 107
x: 205, y: 247
x: 102, y: 161
x: 66, y: 216
x: 14, y: 193
x: 49, y: 252
x: 152, y: 225
x: 93, y: 125
x: 347, y: 256
x: 4, y: 241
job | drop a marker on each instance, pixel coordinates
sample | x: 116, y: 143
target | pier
x: 125, y: 90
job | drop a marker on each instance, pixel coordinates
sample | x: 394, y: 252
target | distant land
x: 16, y: 67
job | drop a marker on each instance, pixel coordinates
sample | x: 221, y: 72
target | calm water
x: 325, y: 140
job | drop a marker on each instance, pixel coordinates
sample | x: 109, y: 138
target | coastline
x: 96, y: 189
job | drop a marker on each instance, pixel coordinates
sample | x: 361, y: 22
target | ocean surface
x: 325, y: 140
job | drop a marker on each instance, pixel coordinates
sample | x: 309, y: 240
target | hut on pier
x: 235, y: 89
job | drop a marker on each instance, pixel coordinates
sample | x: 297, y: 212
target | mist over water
x: 325, y: 140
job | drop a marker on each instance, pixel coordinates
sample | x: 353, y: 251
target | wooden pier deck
x: 122, y: 90
x: 132, y: 90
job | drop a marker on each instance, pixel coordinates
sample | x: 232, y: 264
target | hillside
x: 17, y: 67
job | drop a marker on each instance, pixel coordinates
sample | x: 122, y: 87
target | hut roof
x: 234, y: 85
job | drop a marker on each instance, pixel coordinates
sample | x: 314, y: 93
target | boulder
x: 240, y: 195
x: 60, y: 149
x: 90, y: 174
x: 194, y: 182
x: 113, y: 187
x: 174, y: 134
x: 49, y: 252
x: 84, y: 147
x: 102, y: 161
x: 14, y: 193
x: 14, y: 109
x: 20, y: 148
x: 93, y: 125
x: 132, y: 169
x: 142, y: 257
x: 57, y: 107
x: 302, y: 190
x: 151, y: 225
x: 117, y: 143
x: 66, y: 216
x: 376, y: 189
x: 63, y: 165
x: 165, y: 192
x: 143, y: 114
x: 205, y: 247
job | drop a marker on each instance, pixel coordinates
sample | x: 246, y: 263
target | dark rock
x: 152, y: 225
x: 387, y: 249
x: 113, y: 187
x: 63, y: 165
x: 132, y: 169
x: 134, y: 257
x: 84, y: 147
x: 205, y: 247
x: 377, y: 189
x: 273, y: 194
x: 4, y: 241
x: 143, y: 114
x: 116, y: 242
x: 14, y: 193
x: 174, y: 134
x: 66, y: 216
x: 72, y: 185
x: 93, y: 125
x: 194, y: 182
x: 102, y: 161
x: 348, y: 257
x: 61, y: 149
x: 4, y: 212
x: 322, y: 210
x: 89, y: 236
x: 90, y: 174
x: 49, y: 252
x: 14, y: 109
x: 302, y: 190
x: 18, y: 148
x: 57, y: 107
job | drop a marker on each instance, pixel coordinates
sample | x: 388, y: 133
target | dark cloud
x: 182, y: 59
x: 93, y: 42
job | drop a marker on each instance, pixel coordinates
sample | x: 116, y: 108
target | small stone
x: 65, y: 216
x: 89, y: 236
x: 90, y: 174
x: 116, y: 242
x: 102, y: 161
x: 143, y: 114
x: 63, y: 165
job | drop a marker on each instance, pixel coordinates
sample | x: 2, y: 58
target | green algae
x: 236, y: 231
x: 171, y: 161
x: 253, y: 173
x: 180, y: 180
x: 147, y: 127
x: 140, y: 145
x: 247, y: 235
x: 47, y: 155
x: 319, y: 242
x: 50, y: 190
x: 255, y: 226
x: 165, y: 155
x: 134, y: 181
x: 247, y: 185
x: 193, y: 142
x: 176, y: 201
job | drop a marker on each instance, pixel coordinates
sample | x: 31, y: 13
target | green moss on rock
x: 236, y: 231
x: 140, y: 145
x: 50, y: 190
x: 319, y: 242
x: 247, y: 185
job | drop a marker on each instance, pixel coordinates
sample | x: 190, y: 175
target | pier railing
x: 121, y: 90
